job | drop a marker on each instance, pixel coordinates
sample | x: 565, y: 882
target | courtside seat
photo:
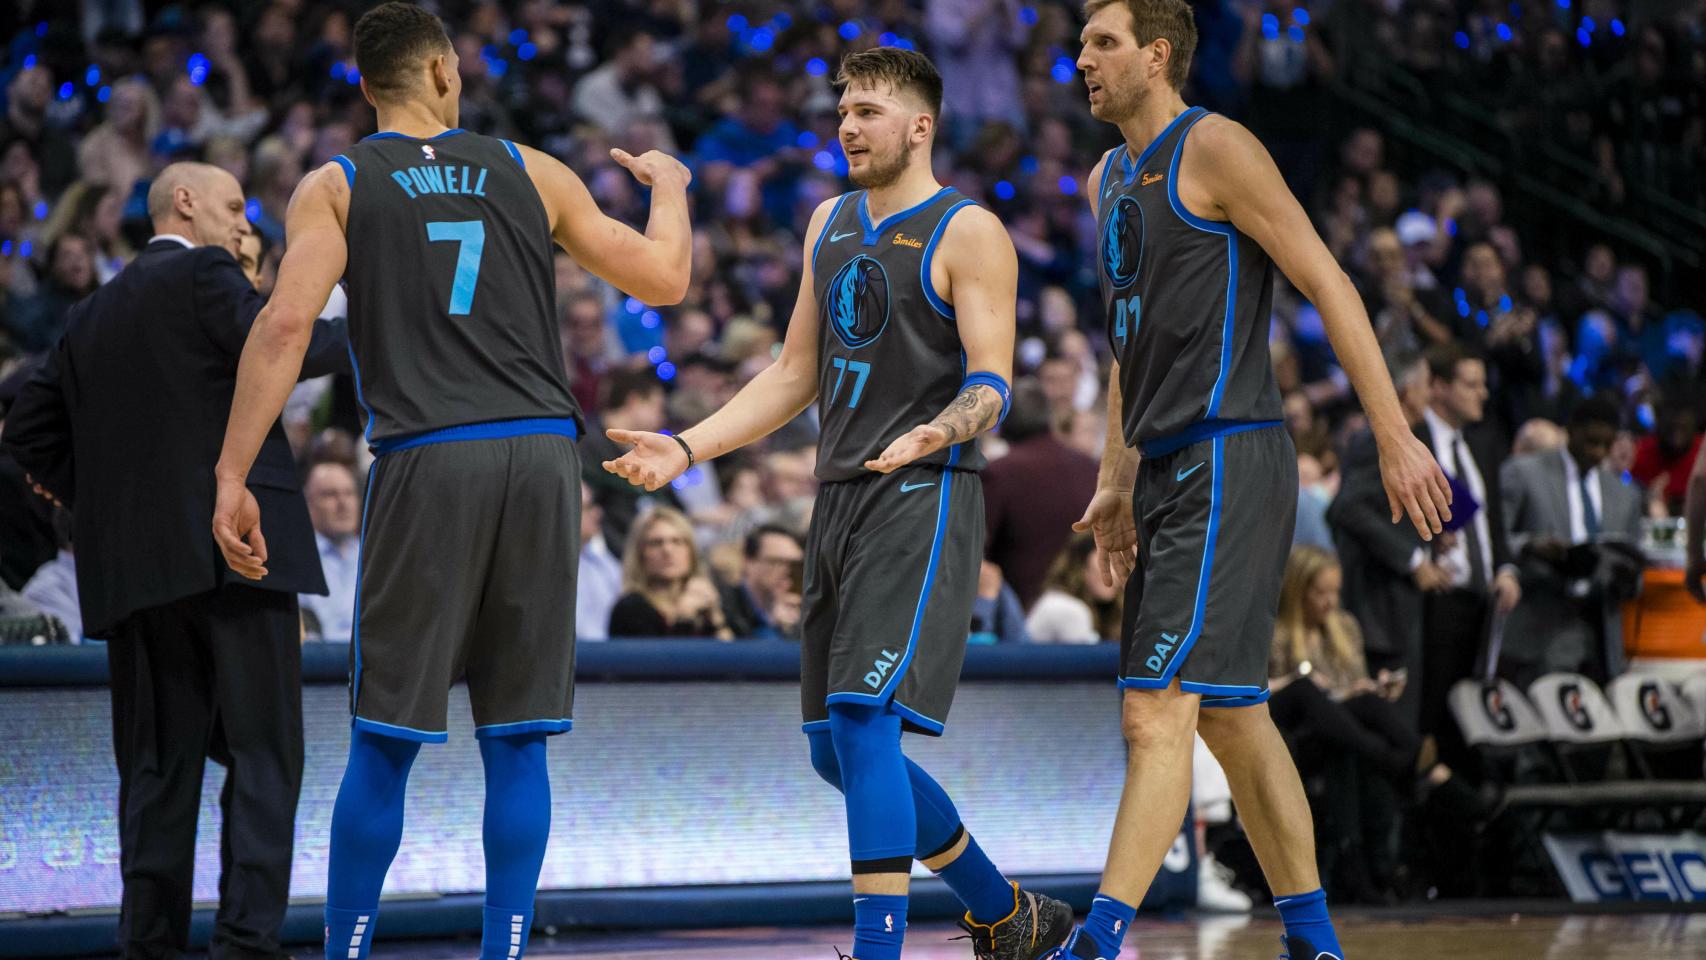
x: 1503, y: 728
x: 1583, y: 728
x: 1663, y: 728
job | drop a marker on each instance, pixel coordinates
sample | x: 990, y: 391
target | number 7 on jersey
x: 471, y: 234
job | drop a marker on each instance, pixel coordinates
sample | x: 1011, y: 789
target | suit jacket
x: 1375, y: 555
x: 1547, y: 629
x: 124, y: 421
x: 1489, y: 453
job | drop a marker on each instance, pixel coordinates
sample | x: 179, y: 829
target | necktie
x: 1472, y: 529
x: 1590, y: 516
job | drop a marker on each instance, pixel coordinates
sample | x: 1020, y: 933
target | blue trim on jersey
x: 943, y: 499
x: 495, y: 430
x: 355, y: 624
x: 929, y: 253
x: 402, y: 733
x: 1226, y: 230
x: 349, y: 168
x: 872, y: 233
x: 813, y: 726
x: 828, y: 224
x: 933, y: 726
x: 355, y: 370
x: 1200, y: 431
x: 1203, y: 576
x: 394, y: 135
x: 998, y: 384
x: 1107, y: 168
x: 523, y: 726
x: 1209, y: 703
x: 1129, y: 168
x: 514, y: 154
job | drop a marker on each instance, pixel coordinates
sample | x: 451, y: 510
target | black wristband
x: 691, y: 460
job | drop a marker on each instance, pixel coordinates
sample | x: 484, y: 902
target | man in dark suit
x: 1033, y: 495
x: 123, y: 423
x: 1476, y: 558
x: 1387, y: 568
x: 1557, y: 502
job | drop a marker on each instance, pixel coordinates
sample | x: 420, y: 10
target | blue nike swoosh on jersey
x: 841, y: 236
x: 1185, y: 473
x: 908, y: 486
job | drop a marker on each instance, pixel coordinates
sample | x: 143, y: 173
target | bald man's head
x: 200, y: 202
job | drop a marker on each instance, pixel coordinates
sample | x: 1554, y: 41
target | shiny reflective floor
x: 1389, y: 935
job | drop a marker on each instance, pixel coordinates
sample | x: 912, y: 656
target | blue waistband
x: 496, y: 430
x: 1198, y: 432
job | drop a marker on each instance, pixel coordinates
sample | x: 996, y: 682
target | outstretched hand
x: 655, y: 460
x: 654, y: 167
x: 917, y: 443
x: 1109, y: 520
x: 237, y: 529
x: 1415, y: 485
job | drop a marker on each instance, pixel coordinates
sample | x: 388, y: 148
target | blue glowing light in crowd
x: 816, y: 67
x: 657, y: 355
x: 41, y: 29
x: 887, y: 39
x: 1270, y: 26
x: 650, y: 319
x: 1617, y: 28
x: 1069, y: 185
x: 1462, y: 302
x: 1028, y: 165
x: 1504, y: 32
x: 633, y: 306
x: 354, y: 76
x: 1451, y: 228
x: 517, y: 37
x: 1644, y: 416
x: 850, y: 30
x: 340, y: 70
x: 25, y: 249
x: 1300, y: 16
x: 252, y: 209
x: 1004, y: 190
x: 823, y: 160
x: 806, y: 139
x: 1481, y: 317
x: 92, y: 77
x: 1589, y: 25
x: 40, y: 210
x: 65, y: 90
x: 761, y: 39
x: 1505, y: 303
x: 5, y: 248
x: 1295, y: 33
x: 197, y: 68
x: 527, y: 51
x: 1563, y: 4
x: 30, y: 62
x: 1063, y: 70
x: 497, y: 68
x: 904, y: 44
x: 1028, y: 16
x: 737, y: 23
x: 666, y: 371
x: 782, y: 21
x: 1462, y: 40
x: 104, y: 94
x: 1583, y: 37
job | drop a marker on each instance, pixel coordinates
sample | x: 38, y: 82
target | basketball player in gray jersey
x: 470, y: 528
x: 903, y: 334
x: 1198, y: 485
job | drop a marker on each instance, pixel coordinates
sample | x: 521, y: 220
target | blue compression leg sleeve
x: 881, y: 822
x: 367, y: 827
x: 516, y: 826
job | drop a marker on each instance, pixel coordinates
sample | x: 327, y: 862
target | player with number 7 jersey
x: 471, y: 523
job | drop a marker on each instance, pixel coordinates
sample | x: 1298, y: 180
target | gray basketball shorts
x: 1214, y: 526
x: 469, y: 551
x: 891, y: 574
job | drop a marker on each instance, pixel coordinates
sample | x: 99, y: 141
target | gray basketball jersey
x: 1188, y: 303
x: 889, y: 353
x: 452, y: 292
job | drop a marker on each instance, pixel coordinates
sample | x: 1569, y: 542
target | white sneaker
x: 1215, y: 892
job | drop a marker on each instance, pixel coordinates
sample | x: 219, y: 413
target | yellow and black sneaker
x: 1037, y: 925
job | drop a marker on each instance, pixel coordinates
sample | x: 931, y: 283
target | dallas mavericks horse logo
x: 858, y: 302
x: 1122, y: 242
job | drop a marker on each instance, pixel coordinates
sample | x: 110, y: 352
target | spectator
x: 1076, y: 605
x: 1023, y: 533
x: 334, y: 509
x: 53, y: 587
x: 623, y: 92
x: 996, y: 616
x: 36, y: 323
x: 667, y: 591
x: 1555, y: 501
x: 765, y: 604
x: 587, y: 349
x: 633, y: 400
x: 26, y: 121
x: 1405, y: 318
x: 974, y: 42
x: 599, y: 583
x: 95, y: 213
x: 1663, y: 458
x: 756, y: 141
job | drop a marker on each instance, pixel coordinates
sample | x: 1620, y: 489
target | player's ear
x: 1161, y: 53
x: 923, y: 124
x: 441, y: 77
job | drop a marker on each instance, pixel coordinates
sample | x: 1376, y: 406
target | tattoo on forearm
x: 975, y: 410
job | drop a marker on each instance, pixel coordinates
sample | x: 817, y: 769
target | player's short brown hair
x: 1153, y: 19
x: 906, y: 70
x: 391, y: 41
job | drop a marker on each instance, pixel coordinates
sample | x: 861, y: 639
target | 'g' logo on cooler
x: 1122, y: 242
x: 857, y: 303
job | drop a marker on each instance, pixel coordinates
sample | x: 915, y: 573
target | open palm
x: 655, y: 460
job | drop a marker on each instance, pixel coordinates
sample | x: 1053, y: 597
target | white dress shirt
x: 1456, y: 559
x: 336, y: 610
x: 597, y: 588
